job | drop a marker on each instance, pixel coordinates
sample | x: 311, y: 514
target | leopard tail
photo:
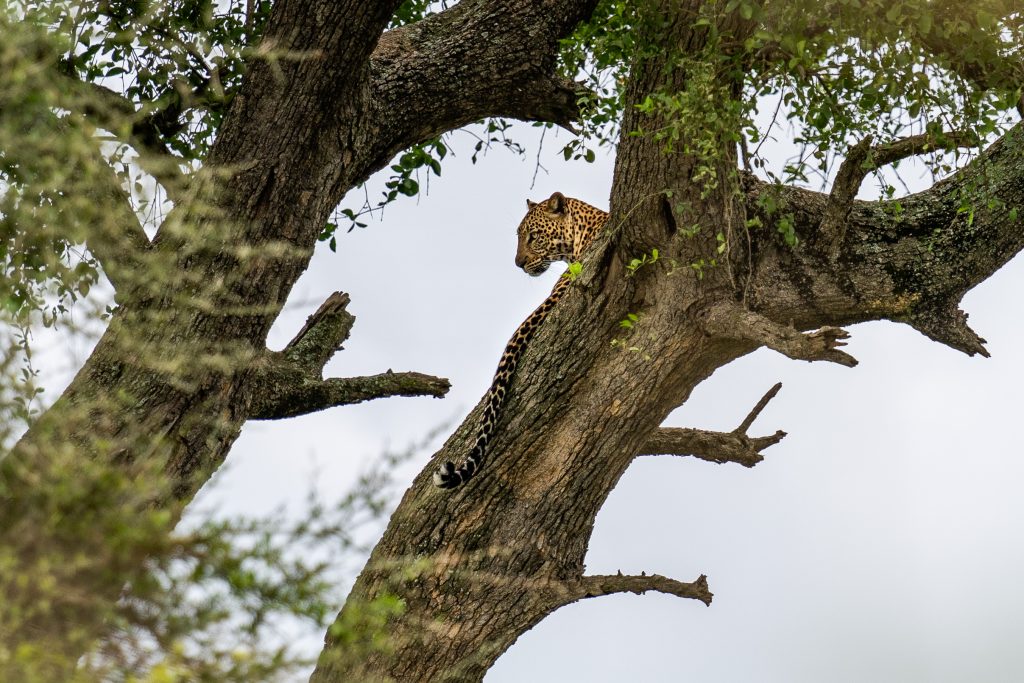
x: 448, y: 475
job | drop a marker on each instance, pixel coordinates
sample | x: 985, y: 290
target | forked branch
x: 290, y: 383
x: 718, y: 447
x: 862, y: 159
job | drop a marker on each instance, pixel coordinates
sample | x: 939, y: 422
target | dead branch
x: 730, y: 320
x: 322, y: 335
x: 290, y: 383
x: 292, y: 397
x: 596, y: 586
x: 947, y: 324
x: 718, y: 447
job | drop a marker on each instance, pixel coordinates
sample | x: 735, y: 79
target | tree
x: 703, y: 262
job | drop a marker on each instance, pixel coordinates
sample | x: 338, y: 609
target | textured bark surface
x: 330, y: 103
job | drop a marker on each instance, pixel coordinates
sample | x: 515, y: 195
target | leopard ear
x: 530, y: 205
x: 556, y: 203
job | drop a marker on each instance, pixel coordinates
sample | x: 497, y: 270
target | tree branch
x: 596, y: 586
x: 451, y: 69
x: 947, y: 324
x: 730, y: 320
x: 909, y: 260
x: 322, y: 335
x: 718, y: 447
x: 119, y: 248
x: 861, y: 160
x: 292, y: 397
x: 289, y: 383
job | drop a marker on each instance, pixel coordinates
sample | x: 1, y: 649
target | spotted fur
x: 557, y: 229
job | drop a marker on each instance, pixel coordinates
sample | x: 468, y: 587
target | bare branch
x: 861, y: 160
x: 322, y: 335
x: 289, y: 383
x: 924, y: 143
x: 756, y: 410
x: 289, y: 399
x: 947, y: 324
x: 596, y: 586
x: 732, y: 321
x: 718, y: 447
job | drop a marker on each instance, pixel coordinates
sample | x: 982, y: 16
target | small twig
x: 749, y: 419
x: 596, y: 586
x: 537, y: 166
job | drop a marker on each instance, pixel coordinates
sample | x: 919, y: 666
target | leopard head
x: 545, y: 234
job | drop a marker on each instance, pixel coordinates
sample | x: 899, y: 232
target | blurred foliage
x: 213, y: 600
x: 47, y: 206
x: 180, y: 61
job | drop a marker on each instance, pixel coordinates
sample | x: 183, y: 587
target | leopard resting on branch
x: 557, y: 229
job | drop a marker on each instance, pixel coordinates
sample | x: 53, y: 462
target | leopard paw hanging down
x: 557, y: 229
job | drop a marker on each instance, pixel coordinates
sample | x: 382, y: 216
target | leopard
x: 559, y: 228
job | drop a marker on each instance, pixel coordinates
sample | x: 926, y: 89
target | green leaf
x: 408, y: 187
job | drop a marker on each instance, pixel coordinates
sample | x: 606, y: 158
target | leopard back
x: 557, y: 229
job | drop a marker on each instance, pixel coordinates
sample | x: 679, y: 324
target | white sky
x: 880, y: 541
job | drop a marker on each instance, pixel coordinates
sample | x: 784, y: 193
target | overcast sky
x: 882, y: 540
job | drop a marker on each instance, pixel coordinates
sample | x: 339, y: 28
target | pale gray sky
x: 880, y: 541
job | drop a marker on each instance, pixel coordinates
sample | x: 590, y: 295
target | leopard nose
x: 520, y: 261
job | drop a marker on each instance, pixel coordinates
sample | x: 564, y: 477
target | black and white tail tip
x: 448, y: 476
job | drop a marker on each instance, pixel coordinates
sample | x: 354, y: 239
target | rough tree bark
x: 329, y: 102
